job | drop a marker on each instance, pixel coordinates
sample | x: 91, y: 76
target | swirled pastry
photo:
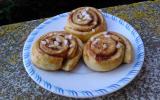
x: 84, y: 22
x: 56, y: 50
x: 106, y: 51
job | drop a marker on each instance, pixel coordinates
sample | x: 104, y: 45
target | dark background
x: 12, y: 11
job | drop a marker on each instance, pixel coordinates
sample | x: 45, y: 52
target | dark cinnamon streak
x: 90, y: 23
x: 46, y: 46
x: 64, y: 55
x: 55, y: 55
x: 100, y: 57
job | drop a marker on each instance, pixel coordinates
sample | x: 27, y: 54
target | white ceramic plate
x: 83, y: 82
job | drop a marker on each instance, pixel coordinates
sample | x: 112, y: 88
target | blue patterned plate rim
x: 85, y: 93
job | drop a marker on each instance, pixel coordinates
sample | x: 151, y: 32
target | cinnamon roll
x: 84, y: 22
x: 106, y: 51
x: 56, y: 50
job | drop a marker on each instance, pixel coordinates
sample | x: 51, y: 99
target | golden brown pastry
x: 106, y: 51
x: 56, y: 50
x: 84, y: 22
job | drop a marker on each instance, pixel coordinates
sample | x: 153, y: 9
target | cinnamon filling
x: 58, y: 45
x: 105, y: 48
x: 91, y: 21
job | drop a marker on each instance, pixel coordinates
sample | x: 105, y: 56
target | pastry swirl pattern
x: 57, y: 50
x: 85, y: 22
x: 106, y: 51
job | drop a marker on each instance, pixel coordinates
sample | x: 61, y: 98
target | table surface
x: 144, y: 16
